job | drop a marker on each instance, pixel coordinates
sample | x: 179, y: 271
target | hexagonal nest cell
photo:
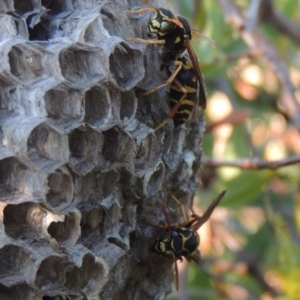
x: 16, y: 265
x: 56, y: 7
x: 47, y: 148
x: 25, y: 63
x: 61, y: 190
x: 85, y: 147
x: 18, y: 183
x: 23, y: 7
x: 97, y: 106
x: 81, y: 65
x: 126, y: 66
x: 65, y: 106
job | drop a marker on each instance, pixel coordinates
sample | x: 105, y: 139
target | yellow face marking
x: 155, y: 24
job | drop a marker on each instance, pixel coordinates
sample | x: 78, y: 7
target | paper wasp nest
x: 80, y: 164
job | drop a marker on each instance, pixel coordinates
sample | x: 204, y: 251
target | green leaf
x: 246, y: 187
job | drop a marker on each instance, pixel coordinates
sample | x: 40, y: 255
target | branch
x: 282, y: 24
x: 251, y: 164
x: 233, y: 118
x: 257, y: 41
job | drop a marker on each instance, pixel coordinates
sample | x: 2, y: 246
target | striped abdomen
x: 187, y: 78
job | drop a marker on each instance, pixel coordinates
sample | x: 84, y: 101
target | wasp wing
x: 197, y: 223
x: 194, y: 60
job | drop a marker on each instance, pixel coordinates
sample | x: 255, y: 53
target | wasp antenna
x: 176, y: 22
x: 163, y: 209
x: 148, y: 4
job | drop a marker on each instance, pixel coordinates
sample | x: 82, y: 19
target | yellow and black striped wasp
x: 186, y: 82
x: 182, y: 240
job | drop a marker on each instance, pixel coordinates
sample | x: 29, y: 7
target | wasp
x: 175, y: 34
x: 181, y: 239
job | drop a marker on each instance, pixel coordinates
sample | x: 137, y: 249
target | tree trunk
x: 80, y: 164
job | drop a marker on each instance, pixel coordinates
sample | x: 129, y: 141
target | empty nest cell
x: 81, y: 65
x: 4, y: 95
x: 23, y: 7
x: 128, y: 106
x: 115, y: 19
x: 95, y: 32
x: 19, y: 291
x: 56, y: 7
x: 49, y: 277
x: 7, y: 26
x: 16, y: 265
x: 65, y: 106
x: 92, y: 219
x: 148, y: 154
x: 66, y: 232
x: 126, y: 66
x: 85, y: 148
x: 47, y: 148
x: 28, y: 221
x: 6, y: 6
x: 7, y: 173
x: 118, y: 149
x: 153, y: 181
x: 82, y: 278
x: 90, y: 188
x: 61, y: 190
x: 9, y: 97
x: 18, y: 183
x: 25, y: 63
x: 97, y: 106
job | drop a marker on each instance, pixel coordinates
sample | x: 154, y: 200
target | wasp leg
x: 143, y: 10
x: 169, y: 226
x: 165, y: 227
x: 181, y: 206
x: 179, y: 65
x: 139, y: 11
x: 173, y: 111
x: 146, y: 42
x: 194, y: 214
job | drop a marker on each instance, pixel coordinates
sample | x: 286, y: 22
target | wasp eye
x: 174, y: 233
x: 167, y: 27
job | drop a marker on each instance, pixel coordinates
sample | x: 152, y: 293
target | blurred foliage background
x: 251, y: 246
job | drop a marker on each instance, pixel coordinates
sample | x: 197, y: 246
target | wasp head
x: 162, y: 22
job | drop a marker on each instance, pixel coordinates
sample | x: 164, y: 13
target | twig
x: 251, y: 164
x: 234, y: 118
x: 282, y: 24
x: 253, y: 13
x: 256, y: 40
x: 255, y: 271
x: 235, y: 56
